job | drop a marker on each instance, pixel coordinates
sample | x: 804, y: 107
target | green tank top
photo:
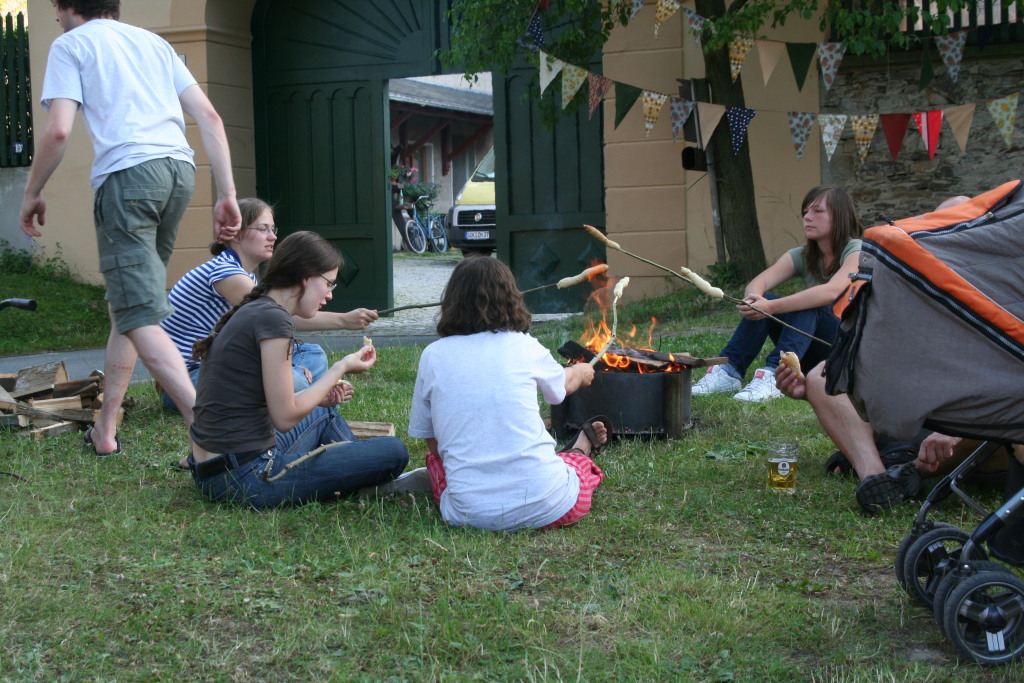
x: 815, y: 279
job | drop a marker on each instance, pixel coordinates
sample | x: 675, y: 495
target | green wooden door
x: 320, y: 71
x: 550, y: 183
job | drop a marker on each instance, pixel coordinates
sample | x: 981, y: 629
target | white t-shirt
x: 477, y: 395
x: 127, y: 81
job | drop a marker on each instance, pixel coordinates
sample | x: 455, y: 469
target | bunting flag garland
x: 959, y: 120
x: 800, y: 130
x: 769, y: 53
x: 637, y: 6
x: 864, y: 127
x: 625, y: 97
x: 739, y: 47
x: 708, y: 115
x: 653, y: 102
x: 536, y: 30
x: 599, y: 86
x: 895, y: 128
x: 681, y: 110
x: 666, y: 8
x: 549, y: 68
x: 1004, y: 113
x: 739, y: 118
x: 695, y: 22
x: 800, y: 56
x: 951, y: 48
x: 831, y: 130
x: 572, y: 79
x: 829, y: 56
x: 929, y: 124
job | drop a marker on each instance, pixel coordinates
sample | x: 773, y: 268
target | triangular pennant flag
x: 959, y: 120
x: 769, y: 52
x: 637, y: 6
x: 536, y: 30
x: 800, y: 56
x: 800, y: 129
x: 708, y: 115
x: 738, y: 49
x: 572, y: 78
x: 864, y: 127
x: 831, y: 130
x: 695, y: 22
x: 929, y: 124
x: 1004, y: 112
x: 829, y: 56
x: 681, y: 110
x: 653, y: 102
x: 895, y: 128
x: 599, y: 86
x: 625, y: 97
x: 666, y: 8
x: 739, y: 118
x: 549, y: 68
x: 951, y: 48
x: 927, y: 71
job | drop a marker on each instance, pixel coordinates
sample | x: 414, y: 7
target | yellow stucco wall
x: 217, y: 52
x: 662, y: 212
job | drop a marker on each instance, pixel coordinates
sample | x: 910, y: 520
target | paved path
x: 418, y: 279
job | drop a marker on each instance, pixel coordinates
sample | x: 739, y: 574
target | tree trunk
x: 733, y: 172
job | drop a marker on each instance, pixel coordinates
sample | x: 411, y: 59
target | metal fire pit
x: 653, y: 403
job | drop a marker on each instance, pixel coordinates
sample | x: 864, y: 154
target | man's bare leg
x: 851, y: 434
x: 161, y: 357
x: 118, y: 365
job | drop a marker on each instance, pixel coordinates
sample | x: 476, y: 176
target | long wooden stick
x: 298, y: 461
x: 615, y: 245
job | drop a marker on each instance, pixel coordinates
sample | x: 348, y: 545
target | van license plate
x: 477, y: 235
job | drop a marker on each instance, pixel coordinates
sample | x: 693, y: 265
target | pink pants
x: 590, y: 476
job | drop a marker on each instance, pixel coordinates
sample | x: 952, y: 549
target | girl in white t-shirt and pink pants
x: 492, y: 463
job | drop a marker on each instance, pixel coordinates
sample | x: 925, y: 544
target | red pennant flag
x: 929, y: 124
x: 895, y: 127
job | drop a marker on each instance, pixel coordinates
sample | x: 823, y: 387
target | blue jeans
x: 750, y: 335
x: 310, y: 356
x: 338, y: 471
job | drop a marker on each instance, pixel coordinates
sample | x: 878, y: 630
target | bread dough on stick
x: 701, y: 284
x: 585, y: 275
x: 600, y: 235
x: 619, y: 287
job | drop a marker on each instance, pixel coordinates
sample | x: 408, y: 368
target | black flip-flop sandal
x: 87, y: 442
x: 889, y: 488
x: 591, y: 434
x: 837, y: 465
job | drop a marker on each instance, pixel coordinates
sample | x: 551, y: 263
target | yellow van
x: 471, y: 221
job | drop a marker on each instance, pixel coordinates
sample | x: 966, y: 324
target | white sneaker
x: 716, y: 381
x: 761, y: 388
x: 414, y: 481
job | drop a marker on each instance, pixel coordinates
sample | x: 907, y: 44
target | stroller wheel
x: 984, y: 617
x: 951, y: 580
x: 929, y: 558
x: 904, y: 546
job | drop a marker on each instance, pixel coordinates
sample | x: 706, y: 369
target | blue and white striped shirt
x: 198, y: 305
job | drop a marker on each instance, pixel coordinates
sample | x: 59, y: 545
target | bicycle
x: 420, y: 234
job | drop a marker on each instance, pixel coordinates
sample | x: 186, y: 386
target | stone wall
x: 914, y: 183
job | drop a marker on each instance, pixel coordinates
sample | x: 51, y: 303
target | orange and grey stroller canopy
x: 932, y: 327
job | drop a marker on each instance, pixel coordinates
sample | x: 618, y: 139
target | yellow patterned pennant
x: 572, y: 79
x: 653, y: 102
x: 864, y: 127
x: 666, y: 8
x: 738, y: 49
x: 1004, y: 112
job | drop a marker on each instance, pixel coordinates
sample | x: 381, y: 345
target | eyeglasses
x: 331, y: 284
x: 262, y: 229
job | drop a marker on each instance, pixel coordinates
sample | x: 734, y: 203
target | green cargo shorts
x: 137, y: 211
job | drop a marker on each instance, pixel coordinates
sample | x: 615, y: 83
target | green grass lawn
x: 687, y: 569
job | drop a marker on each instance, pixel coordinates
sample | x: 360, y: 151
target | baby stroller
x: 932, y: 335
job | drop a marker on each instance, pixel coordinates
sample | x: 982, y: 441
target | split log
x: 87, y: 386
x: 51, y: 430
x: 369, y: 430
x: 38, y: 380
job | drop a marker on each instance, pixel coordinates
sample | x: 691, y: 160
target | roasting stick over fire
x: 616, y: 295
x: 696, y: 280
x: 561, y: 284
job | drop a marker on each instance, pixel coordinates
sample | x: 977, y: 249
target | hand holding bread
x: 792, y: 361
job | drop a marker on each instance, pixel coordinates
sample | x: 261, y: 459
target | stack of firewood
x: 42, y: 401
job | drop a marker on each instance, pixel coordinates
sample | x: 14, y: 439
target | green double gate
x: 320, y: 73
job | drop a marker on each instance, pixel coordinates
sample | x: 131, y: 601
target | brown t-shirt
x: 231, y: 408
